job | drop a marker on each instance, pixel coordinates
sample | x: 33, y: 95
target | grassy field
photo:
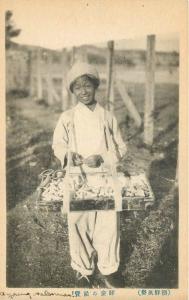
x: 37, y: 245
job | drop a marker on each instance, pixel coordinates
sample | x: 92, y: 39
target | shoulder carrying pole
x: 116, y: 184
x: 66, y: 200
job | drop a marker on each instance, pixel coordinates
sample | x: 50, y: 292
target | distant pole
x: 72, y: 61
x: 49, y: 79
x: 80, y: 54
x: 149, y: 94
x: 30, y: 68
x: 65, y: 94
x: 73, y: 52
x: 83, y: 54
x: 110, y: 79
x: 39, y: 77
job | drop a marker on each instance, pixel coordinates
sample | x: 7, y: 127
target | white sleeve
x: 60, y: 140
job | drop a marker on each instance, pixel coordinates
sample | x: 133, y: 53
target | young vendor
x: 90, y: 233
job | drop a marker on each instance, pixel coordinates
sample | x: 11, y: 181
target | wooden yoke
x: 67, y: 196
x: 72, y: 139
x: 116, y: 183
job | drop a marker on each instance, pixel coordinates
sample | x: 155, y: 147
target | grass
x: 37, y: 245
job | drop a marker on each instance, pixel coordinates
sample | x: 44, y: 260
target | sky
x: 50, y: 34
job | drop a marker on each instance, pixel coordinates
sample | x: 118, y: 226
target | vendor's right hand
x: 76, y: 159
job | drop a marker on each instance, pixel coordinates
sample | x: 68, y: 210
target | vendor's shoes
x: 83, y: 281
x: 114, y: 280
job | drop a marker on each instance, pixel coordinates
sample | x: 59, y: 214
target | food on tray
x: 59, y: 174
x: 54, y: 191
x: 136, y: 187
x: 97, y: 187
x: 89, y: 192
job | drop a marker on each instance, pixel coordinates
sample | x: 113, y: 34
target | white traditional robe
x: 91, y: 231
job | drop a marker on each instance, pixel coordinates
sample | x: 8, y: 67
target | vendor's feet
x: 114, y: 280
x: 83, y: 281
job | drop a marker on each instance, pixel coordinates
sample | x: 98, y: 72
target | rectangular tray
x: 128, y: 203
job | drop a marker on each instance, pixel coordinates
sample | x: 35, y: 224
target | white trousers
x: 90, y: 232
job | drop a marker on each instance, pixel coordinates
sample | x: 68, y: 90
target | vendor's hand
x: 121, y: 169
x: 76, y: 159
x: 93, y: 161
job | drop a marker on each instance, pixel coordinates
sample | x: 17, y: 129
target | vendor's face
x: 84, y: 90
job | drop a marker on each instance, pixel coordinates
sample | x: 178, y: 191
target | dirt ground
x: 37, y: 244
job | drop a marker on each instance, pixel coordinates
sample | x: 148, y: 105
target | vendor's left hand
x: 120, y: 168
x: 93, y: 161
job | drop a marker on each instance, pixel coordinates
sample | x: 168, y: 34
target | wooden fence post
x: 149, y: 94
x: 72, y: 61
x: 65, y: 93
x: 30, y: 68
x: 49, y: 79
x: 39, y: 77
x: 110, y: 79
x: 80, y: 54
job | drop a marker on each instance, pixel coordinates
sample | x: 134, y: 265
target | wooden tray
x: 128, y: 203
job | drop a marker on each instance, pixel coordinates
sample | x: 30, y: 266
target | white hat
x: 79, y: 69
